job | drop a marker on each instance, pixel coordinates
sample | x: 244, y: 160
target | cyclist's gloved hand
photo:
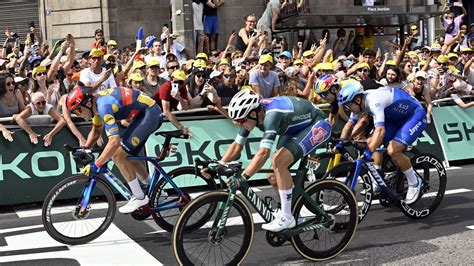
x: 339, y: 145
x: 367, y: 155
x: 92, y: 169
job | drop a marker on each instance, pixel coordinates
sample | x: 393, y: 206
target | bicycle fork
x: 223, y: 213
x: 86, y: 195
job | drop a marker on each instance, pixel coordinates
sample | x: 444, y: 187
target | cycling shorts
x: 406, y: 131
x: 142, y: 126
x: 305, y: 141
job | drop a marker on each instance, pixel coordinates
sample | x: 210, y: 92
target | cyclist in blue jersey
x: 106, y: 108
x: 301, y: 127
x: 399, y: 119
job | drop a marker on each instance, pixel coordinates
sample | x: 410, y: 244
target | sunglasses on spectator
x: 229, y: 76
x: 96, y: 58
x: 443, y: 64
x: 11, y: 83
x: 173, y: 67
x: 180, y: 82
x: 41, y: 74
x: 200, y: 75
x: 41, y: 103
x: 364, y: 70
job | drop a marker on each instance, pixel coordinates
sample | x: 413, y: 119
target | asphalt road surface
x: 386, y: 236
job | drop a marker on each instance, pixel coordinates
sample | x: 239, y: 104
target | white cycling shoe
x: 133, y: 204
x: 279, y: 223
x: 413, y: 193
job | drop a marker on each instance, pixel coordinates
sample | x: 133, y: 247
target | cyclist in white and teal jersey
x: 301, y: 127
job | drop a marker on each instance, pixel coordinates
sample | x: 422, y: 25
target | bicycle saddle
x: 173, y: 134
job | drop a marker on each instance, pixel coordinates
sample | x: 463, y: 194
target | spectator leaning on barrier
x: 420, y: 89
x: 39, y: 106
x: 172, y: 93
x: 263, y: 80
x: 96, y: 76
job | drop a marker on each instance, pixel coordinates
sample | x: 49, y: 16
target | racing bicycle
x: 80, y: 208
x: 359, y: 175
x: 321, y: 232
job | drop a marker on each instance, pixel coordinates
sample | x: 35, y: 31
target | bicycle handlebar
x: 228, y: 169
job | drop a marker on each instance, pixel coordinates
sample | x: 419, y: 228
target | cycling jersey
x: 400, y: 113
x: 297, y: 121
x: 115, y: 104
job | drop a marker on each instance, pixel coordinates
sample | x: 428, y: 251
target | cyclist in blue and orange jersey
x: 399, y: 119
x: 106, y: 108
x: 301, y: 127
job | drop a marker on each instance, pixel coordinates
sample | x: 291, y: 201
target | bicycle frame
x: 125, y: 192
x: 238, y: 183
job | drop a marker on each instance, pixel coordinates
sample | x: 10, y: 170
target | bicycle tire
x: 243, y: 224
x: 348, y: 226
x: 364, y: 201
x: 162, y: 218
x: 418, y: 209
x: 60, y: 193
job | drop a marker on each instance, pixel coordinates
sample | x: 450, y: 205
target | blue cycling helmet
x: 349, y: 90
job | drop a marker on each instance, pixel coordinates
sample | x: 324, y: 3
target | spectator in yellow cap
x: 171, y: 94
x: 362, y: 71
x: 223, y: 64
x: 96, y: 76
x: 111, y: 46
x: 153, y: 81
x: 413, y: 57
x: 263, y: 80
x: 135, y: 81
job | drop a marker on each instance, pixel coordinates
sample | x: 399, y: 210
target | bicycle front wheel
x: 327, y: 242
x: 363, y: 189
x: 433, y: 174
x: 63, y: 218
x: 200, y: 247
x: 171, y: 202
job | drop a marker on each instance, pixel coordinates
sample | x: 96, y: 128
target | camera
x: 109, y: 64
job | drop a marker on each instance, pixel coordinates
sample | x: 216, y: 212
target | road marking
x: 431, y: 194
x: 114, y: 241
x: 470, y: 227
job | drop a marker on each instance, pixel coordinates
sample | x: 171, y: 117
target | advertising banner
x: 28, y: 171
x: 455, y: 127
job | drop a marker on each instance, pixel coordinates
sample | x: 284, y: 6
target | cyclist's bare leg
x: 128, y: 171
x: 272, y: 180
x: 140, y: 171
x: 280, y: 162
x: 396, y: 151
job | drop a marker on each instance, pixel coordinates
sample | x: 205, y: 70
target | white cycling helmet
x: 242, y: 104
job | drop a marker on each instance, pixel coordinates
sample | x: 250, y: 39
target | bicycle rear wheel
x: 198, y: 248
x: 326, y: 243
x: 61, y: 213
x: 432, y: 172
x: 173, y: 203
x: 363, y: 190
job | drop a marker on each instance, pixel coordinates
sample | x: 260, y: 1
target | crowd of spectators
x: 36, y: 78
